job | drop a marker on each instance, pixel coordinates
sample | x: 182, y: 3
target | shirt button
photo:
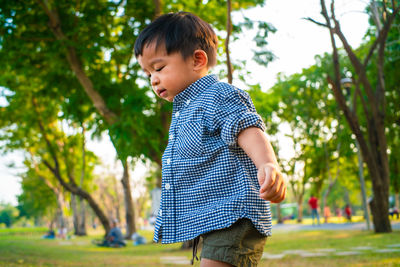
x: 168, y: 161
x: 171, y: 136
x: 187, y: 102
x: 177, y: 114
x: 167, y: 186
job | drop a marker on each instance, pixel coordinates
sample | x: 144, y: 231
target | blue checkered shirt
x: 208, y: 182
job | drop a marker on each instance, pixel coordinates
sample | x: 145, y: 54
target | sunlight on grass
x: 333, y: 219
x: 342, y: 235
x: 30, y: 250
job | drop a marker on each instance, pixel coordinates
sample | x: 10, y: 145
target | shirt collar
x: 195, y: 88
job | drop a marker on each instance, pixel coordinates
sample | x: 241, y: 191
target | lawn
x: 24, y: 247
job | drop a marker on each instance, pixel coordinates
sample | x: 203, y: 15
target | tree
x: 8, y: 214
x: 31, y: 123
x: 311, y: 128
x: 370, y: 136
x: 228, y: 35
x: 84, y: 51
x: 109, y: 194
x: 60, y: 161
x: 36, y: 200
x: 392, y: 121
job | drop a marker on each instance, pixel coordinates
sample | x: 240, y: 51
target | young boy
x: 219, y: 171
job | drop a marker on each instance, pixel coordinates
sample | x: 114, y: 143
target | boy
x: 219, y: 171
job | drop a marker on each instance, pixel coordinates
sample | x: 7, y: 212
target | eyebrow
x: 157, y: 60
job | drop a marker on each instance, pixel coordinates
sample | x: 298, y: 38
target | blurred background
x: 82, y: 133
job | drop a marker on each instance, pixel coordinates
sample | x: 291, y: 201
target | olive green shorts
x: 240, y: 244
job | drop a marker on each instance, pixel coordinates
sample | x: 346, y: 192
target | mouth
x: 161, y: 92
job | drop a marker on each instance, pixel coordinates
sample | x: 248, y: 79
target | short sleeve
x: 233, y: 112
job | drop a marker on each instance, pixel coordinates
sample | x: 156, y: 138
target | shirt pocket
x: 190, y: 140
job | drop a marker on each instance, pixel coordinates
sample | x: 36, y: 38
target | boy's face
x: 169, y: 74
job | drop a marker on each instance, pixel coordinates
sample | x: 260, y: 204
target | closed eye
x: 159, y: 69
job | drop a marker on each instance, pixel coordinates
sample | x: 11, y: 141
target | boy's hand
x: 271, y: 181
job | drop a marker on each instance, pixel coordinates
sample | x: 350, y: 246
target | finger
x: 261, y: 176
x: 279, y: 197
x: 269, y: 179
x: 274, y: 198
x: 276, y: 193
x: 276, y: 186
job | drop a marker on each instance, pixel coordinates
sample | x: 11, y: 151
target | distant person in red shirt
x: 313, y: 203
x: 347, y: 211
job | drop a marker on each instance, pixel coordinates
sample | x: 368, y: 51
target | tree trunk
x: 300, y: 209
x: 82, y: 206
x: 79, y: 215
x: 117, y: 199
x: 278, y: 213
x: 380, y: 205
x: 373, y: 144
x: 95, y: 207
x: 331, y: 181
x: 75, y: 214
x: 82, y: 221
x: 61, y: 220
x: 157, y: 8
x: 129, y: 209
x: 228, y: 35
x: 52, y: 222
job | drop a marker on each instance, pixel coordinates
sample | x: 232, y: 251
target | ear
x: 200, y: 59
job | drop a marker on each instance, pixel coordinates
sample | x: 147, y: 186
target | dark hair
x: 181, y: 32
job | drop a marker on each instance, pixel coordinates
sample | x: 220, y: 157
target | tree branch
x: 383, y: 33
x: 157, y: 8
x: 316, y: 22
x: 36, y: 167
x: 56, y: 168
x: 76, y: 65
x: 352, y: 119
x: 359, y: 68
x: 228, y: 35
x: 367, y: 112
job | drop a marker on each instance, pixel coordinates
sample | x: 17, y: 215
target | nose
x: 154, y: 80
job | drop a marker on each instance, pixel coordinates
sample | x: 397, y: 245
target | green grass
x: 24, y: 247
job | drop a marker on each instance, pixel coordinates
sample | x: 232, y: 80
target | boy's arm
x: 256, y: 145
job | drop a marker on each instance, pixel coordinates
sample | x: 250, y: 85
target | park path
x: 327, y: 226
x: 390, y: 248
x: 395, y: 247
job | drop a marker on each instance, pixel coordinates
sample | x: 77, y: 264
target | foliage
x: 55, y: 52
x: 304, y: 103
x: 392, y: 94
x: 108, y: 193
x: 102, y: 35
x: 36, y: 199
x: 392, y: 122
x: 317, y: 131
x: 37, y: 125
x: 8, y: 214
